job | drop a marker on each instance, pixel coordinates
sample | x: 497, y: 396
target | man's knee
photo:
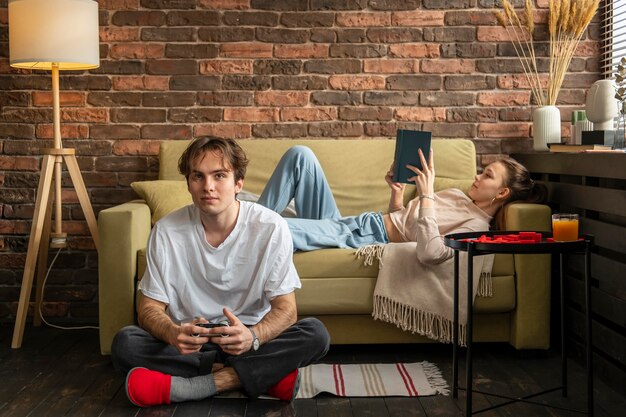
x: 317, y: 333
x: 123, y: 344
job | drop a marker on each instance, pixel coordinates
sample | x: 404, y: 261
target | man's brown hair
x: 228, y: 149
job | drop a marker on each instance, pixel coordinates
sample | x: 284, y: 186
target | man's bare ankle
x: 226, y: 379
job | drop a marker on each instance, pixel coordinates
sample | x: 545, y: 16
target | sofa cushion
x: 163, y: 196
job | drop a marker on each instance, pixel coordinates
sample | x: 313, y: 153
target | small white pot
x: 546, y: 127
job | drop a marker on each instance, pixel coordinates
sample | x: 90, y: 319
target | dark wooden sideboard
x: 594, y: 186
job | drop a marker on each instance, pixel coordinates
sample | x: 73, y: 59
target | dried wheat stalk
x: 567, y: 22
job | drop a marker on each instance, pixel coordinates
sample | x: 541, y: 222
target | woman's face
x: 489, y: 184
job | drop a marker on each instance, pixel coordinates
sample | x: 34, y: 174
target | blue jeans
x: 299, y: 176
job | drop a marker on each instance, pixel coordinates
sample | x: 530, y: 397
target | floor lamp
x: 51, y: 35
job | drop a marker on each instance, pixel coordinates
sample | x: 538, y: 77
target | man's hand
x: 238, y: 337
x: 189, y: 338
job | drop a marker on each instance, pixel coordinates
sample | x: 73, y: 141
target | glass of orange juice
x: 565, y: 227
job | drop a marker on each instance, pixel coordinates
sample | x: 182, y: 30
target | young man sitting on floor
x: 217, y: 260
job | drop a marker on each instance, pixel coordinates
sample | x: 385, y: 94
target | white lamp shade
x: 61, y: 32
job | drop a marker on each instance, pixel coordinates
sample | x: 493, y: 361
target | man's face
x: 212, y: 184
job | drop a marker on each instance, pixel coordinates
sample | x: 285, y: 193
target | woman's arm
x: 396, y: 200
x: 430, y: 247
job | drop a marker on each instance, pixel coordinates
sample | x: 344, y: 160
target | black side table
x: 467, y: 242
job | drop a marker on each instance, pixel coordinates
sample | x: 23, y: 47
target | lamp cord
x: 43, y: 289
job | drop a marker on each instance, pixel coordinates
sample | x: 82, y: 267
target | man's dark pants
x: 304, y: 343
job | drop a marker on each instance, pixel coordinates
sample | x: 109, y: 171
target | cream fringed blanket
x: 419, y: 298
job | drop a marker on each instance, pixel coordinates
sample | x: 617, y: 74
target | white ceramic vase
x: 546, y: 127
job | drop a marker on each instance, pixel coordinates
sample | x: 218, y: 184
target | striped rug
x: 372, y: 380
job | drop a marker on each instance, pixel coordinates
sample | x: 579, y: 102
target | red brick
x: 118, y: 34
x: 19, y: 163
x: 84, y: 115
x: 515, y: 114
x: 335, y: 129
x: 137, y: 50
x: 169, y: 132
x: 99, y: 179
x: 225, y: 98
x: 226, y: 66
x: 138, y: 115
x: 391, y: 66
x: 301, y: 51
x: 448, y: 66
x: 118, y: 4
x: 113, y: 131
x: 421, y: 114
x: 243, y: 114
x: 224, y: 4
x: 415, y: 50
x: 138, y: 18
x: 503, y: 130
x: 472, y: 115
x: 504, y: 99
x: 7, y: 227
x: 136, y: 147
x: 66, y: 98
x: 121, y: 164
x: 356, y: 82
x: 494, y: 34
x: 588, y: 48
x: 246, y: 50
x: 145, y: 82
x: 224, y: 130
x: 518, y: 81
x: 12, y: 260
x: 363, y: 19
x: 281, y: 98
x: 418, y: 18
x: 82, y: 244
x: 450, y: 130
x: 472, y: 17
x: 46, y: 131
x: 172, y: 67
x: 308, y: 114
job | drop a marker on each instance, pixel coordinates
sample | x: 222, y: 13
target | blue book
x: 407, y: 144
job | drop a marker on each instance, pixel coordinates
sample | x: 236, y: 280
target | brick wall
x: 257, y: 69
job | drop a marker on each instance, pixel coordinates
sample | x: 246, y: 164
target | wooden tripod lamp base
x: 39, y: 40
x: 40, y: 233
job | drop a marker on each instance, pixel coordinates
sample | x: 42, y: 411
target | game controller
x: 212, y: 325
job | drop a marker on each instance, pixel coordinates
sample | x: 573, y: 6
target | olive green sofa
x: 336, y: 287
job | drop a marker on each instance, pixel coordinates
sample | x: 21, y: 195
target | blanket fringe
x: 485, y: 285
x: 371, y: 252
x: 411, y: 319
x: 435, y: 378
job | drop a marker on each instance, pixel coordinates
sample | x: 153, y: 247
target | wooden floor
x: 61, y: 373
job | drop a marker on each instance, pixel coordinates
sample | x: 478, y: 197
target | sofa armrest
x: 123, y: 229
x: 530, y: 321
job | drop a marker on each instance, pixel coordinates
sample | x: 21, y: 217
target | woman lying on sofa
x: 319, y: 224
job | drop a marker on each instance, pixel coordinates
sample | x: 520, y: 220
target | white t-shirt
x: 253, y: 265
